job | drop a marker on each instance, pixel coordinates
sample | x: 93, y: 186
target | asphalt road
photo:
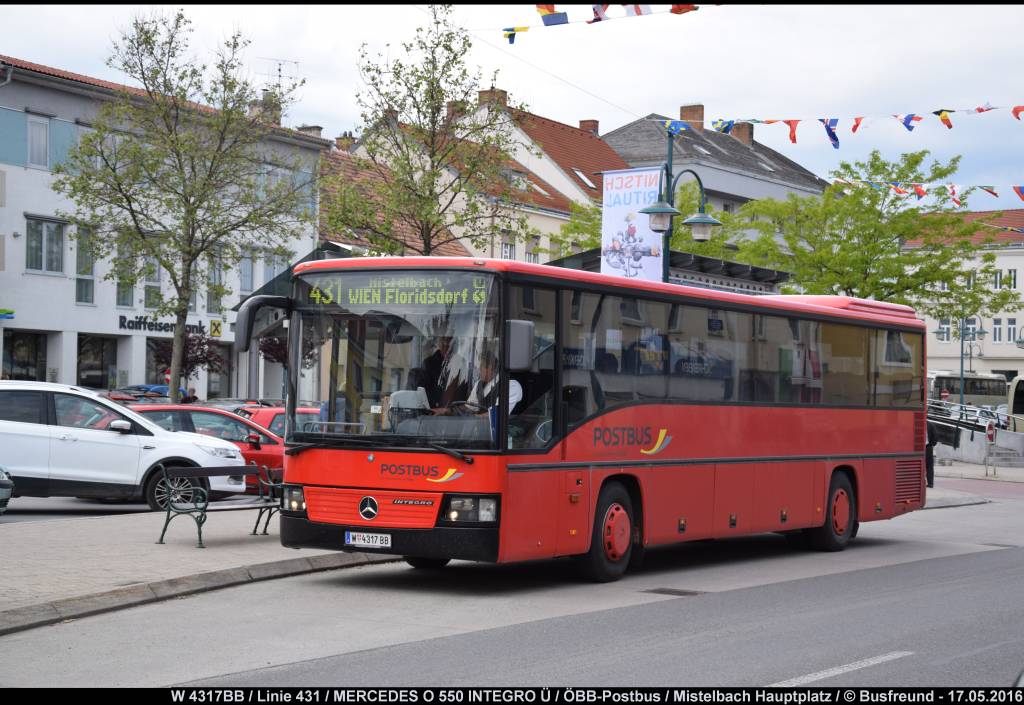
x: 936, y: 598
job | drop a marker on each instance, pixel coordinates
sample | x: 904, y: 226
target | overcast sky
x: 739, y: 61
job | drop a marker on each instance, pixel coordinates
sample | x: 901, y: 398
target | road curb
x: 41, y: 615
x: 956, y: 502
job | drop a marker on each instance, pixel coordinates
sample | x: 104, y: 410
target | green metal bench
x: 186, y: 497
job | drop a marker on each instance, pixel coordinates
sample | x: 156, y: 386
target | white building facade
x: 66, y: 323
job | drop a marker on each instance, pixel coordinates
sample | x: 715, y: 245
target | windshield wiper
x: 300, y: 447
x: 468, y: 460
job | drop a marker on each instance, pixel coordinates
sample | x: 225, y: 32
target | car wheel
x: 611, y: 543
x: 178, y: 489
x: 840, y: 516
x: 426, y: 563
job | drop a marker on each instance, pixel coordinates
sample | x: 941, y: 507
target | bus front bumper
x: 467, y: 543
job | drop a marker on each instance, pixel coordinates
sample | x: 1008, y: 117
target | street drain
x: 674, y: 592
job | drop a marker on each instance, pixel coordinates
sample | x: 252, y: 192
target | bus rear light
x: 293, y: 500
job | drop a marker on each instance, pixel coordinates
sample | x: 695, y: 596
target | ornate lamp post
x: 662, y: 212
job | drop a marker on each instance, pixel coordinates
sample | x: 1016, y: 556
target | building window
x: 997, y: 330
x: 152, y: 282
x: 45, y: 247
x: 125, y: 294
x: 84, y: 270
x: 273, y: 265
x: 245, y: 271
x: 1011, y: 330
x: 944, y: 330
x: 213, y: 302
x: 1010, y: 280
x: 193, y: 301
x: 728, y: 207
x: 970, y: 327
x: 508, y: 250
x: 39, y: 142
x: 97, y: 362
x: 997, y: 280
x: 24, y: 356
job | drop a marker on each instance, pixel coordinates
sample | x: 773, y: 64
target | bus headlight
x: 292, y: 499
x: 472, y: 510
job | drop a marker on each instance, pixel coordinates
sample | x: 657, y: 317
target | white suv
x: 57, y: 440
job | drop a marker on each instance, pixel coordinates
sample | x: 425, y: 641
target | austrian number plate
x: 358, y: 538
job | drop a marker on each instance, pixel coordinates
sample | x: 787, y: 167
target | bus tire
x: 426, y: 563
x: 611, y: 543
x: 840, y: 516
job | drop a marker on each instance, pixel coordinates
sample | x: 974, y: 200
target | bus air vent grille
x: 908, y: 480
x: 919, y: 421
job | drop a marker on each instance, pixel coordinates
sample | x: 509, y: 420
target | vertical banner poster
x: 629, y: 248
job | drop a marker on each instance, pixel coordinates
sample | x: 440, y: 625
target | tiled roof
x: 1010, y: 218
x: 572, y: 148
x: 643, y: 141
x: 336, y: 162
x: 108, y: 85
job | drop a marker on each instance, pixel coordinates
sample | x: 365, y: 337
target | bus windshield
x: 408, y: 358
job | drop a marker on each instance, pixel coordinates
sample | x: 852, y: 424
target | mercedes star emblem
x: 368, y: 508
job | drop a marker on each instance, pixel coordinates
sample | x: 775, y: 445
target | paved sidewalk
x: 69, y: 568
x: 973, y: 471
x: 57, y: 570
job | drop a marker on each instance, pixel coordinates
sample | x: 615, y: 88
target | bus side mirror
x: 247, y: 314
x: 519, y: 335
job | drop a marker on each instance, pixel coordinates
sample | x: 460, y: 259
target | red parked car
x: 272, y: 417
x: 256, y: 443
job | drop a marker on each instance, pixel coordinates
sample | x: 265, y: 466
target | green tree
x: 873, y: 243
x: 441, y: 167
x: 177, y: 173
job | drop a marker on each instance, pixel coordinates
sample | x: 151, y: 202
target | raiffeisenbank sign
x: 145, y: 323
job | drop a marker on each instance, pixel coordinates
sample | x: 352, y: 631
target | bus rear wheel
x: 426, y: 563
x: 840, y: 516
x: 611, y: 545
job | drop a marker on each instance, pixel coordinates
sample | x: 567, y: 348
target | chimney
x: 494, y: 95
x: 456, y: 108
x: 270, y: 107
x: 344, y: 141
x: 744, y: 132
x: 589, y: 126
x: 311, y: 130
x: 693, y: 114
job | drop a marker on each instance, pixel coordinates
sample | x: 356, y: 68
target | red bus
x: 500, y: 411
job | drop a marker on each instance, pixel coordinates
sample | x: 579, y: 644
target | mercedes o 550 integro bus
x: 623, y: 415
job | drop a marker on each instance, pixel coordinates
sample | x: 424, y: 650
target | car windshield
x: 399, y: 351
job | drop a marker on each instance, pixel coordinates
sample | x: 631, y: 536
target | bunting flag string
x: 552, y: 17
x: 908, y: 120
x: 1004, y: 228
x: 921, y: 190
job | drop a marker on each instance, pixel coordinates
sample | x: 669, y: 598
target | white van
x: 57, y: 440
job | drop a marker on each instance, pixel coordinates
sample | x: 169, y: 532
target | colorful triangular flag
x: 1019, y: 190
x: 676, y: 126
x: 550, y: 17
x: 984, y: 108
x: 510, y: 33
x: 1017, y: 110
x: 830, y: 130
x: 920, y: 190
x: 792, y: 129
x: 723, y: 125
x: 637, y: 10
x: 908, y: 120
x: 599, y: 15
x: 896, y: 188
x: 682, y: 9
x: 989, y: 189
x: 943, y: 114
x: 856, y: 123
x: 953, y: 194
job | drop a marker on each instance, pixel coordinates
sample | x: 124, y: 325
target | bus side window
x: 531, y: 421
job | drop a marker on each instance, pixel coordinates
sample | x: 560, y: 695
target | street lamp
x: 662, y: 212
x: 977, y: 334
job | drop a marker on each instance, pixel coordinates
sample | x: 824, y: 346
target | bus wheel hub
x: 616, y: 532
x: 840, y: 512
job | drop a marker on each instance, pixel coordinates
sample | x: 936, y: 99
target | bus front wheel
x: 611, y: 544
x: 426, y: 563
x: 840, y: 516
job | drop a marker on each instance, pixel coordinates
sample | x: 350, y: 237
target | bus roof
x: 834, y: 306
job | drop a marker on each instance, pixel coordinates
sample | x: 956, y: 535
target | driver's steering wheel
x: 465, y: 408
